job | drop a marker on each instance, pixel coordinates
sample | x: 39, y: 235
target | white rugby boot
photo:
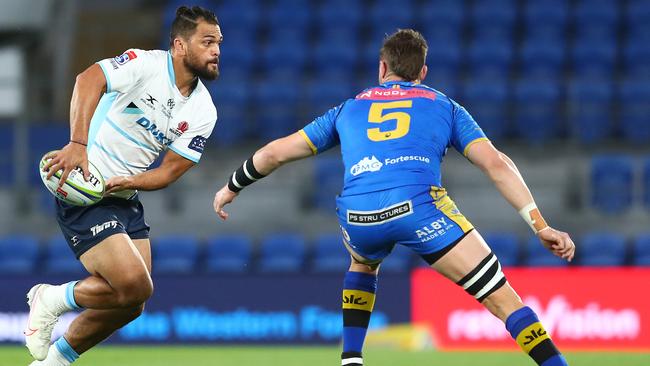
x: 41, y: 322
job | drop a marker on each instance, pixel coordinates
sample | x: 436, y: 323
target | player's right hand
x: 558, y: 242
x: 222, y: 198
x: 67, y: 159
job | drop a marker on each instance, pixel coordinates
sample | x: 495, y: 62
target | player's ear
x: 423, y: 73
x: 383, y: 69
x: 179, y: 46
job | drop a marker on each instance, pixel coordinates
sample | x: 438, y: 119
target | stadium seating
x: 506, y: 247
x: 486, y: 100
x: 6, y: 154
x: 548, y: 18
x: 229, y: 254
x: 590, y: 110
x: 231, y: 94
x: 386, y: 16
x: 543, y: 57
x: 246, y: 14
x: 646, y: 183
x: 340, y: 14
x: 537, y: 109
x: 641, y: 250
x: 294, y: 13
x: 594, y: 56
x: 328, y: 180
x: 276, y: 112
x: 601, y: 249
x: 637, y: 56
x: 336, y: 50
x: 490, y: 56
x: 18, y: 254
x: 611, y: 183
x: 59, y: 258
x: 174, y: 254
x: 43, y: 138
x: 635, y: 110
x: 282, y: 253
x: 330, y: 255
x: 538, y: 256
x: 489, y: 15
x: 325, y: 92
x: 443, y: 17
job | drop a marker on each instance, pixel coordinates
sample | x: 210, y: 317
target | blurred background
x: 561, y: 86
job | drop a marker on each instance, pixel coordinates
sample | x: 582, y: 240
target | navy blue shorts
x: 422, y: 218
x: 86, y: 226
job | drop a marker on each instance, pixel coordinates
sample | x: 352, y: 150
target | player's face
x: 203, y: 51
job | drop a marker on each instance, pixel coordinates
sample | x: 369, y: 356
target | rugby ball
x: 75, y: 191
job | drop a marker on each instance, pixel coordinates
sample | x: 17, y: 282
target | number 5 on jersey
x: 375, y: 115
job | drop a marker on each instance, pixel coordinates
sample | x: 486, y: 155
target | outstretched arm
x: 262, y: 163
x: 505, y: 176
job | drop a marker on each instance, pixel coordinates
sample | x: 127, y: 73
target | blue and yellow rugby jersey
x: 393, y: 135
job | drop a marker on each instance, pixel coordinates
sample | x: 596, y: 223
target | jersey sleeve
x: 321, y: 133
x: 125, y: 71
x: 191, y: 143
x: 464, y: 129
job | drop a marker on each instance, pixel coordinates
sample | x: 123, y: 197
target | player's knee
x: 135, y: 290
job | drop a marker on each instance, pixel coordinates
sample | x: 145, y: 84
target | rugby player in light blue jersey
x: 393, y: 138
x: 151, y: 101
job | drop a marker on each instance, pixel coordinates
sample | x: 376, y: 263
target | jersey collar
x: 172, y: 78
x: 402, y: 83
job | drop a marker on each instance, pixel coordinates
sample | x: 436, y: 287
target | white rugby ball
x: 76, y: 190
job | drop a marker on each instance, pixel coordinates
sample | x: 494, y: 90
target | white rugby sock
x: 60, y: 299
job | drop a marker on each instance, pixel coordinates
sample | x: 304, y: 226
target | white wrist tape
x: 530, y: 213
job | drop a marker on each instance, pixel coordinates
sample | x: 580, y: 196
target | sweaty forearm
x: 152, y: 180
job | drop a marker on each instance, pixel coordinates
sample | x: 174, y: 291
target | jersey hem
x: 186, y: 156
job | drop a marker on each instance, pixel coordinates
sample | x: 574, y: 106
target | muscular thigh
x: 118, y: 259
x: 463, y: 258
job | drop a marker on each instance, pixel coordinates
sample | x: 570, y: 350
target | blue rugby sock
x: 65, y: 351
x: 358, y: 301
x: 524, y: 326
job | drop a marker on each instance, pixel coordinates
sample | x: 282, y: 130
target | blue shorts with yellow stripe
x: 422, y: 218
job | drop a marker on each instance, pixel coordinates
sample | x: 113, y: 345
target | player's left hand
x: 222, y: 198
x: 116, y: 184
x: 558, y: 242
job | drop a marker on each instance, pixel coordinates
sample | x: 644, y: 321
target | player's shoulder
x: 203, y: 103
x: 439, y: 95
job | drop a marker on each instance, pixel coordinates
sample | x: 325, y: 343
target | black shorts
x: 85, y: 226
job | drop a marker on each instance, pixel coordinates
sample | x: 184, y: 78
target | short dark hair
x: 187, y: 19
x: 405, y: 52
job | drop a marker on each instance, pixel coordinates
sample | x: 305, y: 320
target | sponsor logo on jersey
x: 171, y: 103
x: 151, y: 127
x: 379, y: 216
x: 125, y: 57
x: 405, y: 158
x: 180, y: 129
x: 396, y: 93
x: 366, y: 165
x: 197, y: 144
x: 434, y: 230
x: 101, y: 227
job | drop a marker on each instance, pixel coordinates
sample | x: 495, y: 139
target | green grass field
x: 309, y: 356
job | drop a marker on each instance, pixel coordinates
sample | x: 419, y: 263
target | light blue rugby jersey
x: 393, y: 135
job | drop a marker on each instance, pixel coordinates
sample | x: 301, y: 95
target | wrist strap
x: 245, y: 175
x: 530, y: 213
x: 80, y: 143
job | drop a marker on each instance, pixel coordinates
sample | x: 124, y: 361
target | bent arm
x: 171, y: 168
x: 89, y: 87
x: 281, y: 151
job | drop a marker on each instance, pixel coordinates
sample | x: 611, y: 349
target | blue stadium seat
x: 506, y: 247
x: 282, y: 253
x: 276, y: 112
x: 547, y: 17
x: 447, y: 84
x: 594, y: 56
x: 637, y: 12
x: 286, y: 56
x: 444, y: 17
x: 294, y: 13
x: 177, y: 254
x: 590, y: 110
x: 490, y: 56
x: 400, y: 260
x: 326, y: 92
x: 445, y: 55
x: 646, y: 182
x: 641, y: 250
x: 635, y: 110
x: 637, y: 57
x: 6, y: 154
x: 60, y: 259
x: 543, y: 57
x: 231, y: 94
x: 43, y: 138
x: 336, y: 50
x: 611, y: 183
x: 330, y: 255
x: 18, y: 254
x: 488, y: 13
x: 328, y: 181
x: 537, y: 106
x: 238, y: 53
x: 485, y: 100
x: 601, y: 249
x: 229, y: 254
x: 603, y: 13
x: 242, y: 14
x: 386, y: 16
x: 538, y: 256
x: 340, y: 14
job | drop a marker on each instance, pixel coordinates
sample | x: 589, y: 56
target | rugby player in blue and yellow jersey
x: 393, y: 138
